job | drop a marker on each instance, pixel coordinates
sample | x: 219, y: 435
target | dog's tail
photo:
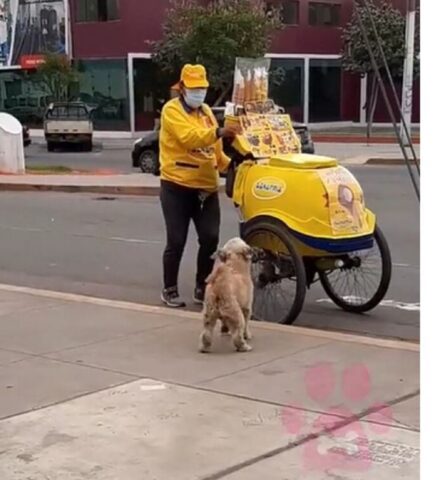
x: 217, y: 270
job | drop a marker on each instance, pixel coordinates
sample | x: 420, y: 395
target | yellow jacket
x: 190, y: 152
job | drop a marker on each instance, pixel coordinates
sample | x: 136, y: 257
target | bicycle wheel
x: 278, y: 272
x: 362, y: 283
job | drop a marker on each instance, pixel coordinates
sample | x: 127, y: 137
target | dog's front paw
x: 248, y: 335
x: 205, y: 343
x: 244, y: 348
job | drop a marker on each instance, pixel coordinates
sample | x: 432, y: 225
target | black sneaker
x: 171, y: 298
x: 198, y: 295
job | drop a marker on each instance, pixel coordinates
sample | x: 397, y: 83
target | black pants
x: 181, y: 205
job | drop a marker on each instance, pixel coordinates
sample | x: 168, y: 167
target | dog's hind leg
x: 247, y: 313
x: 206, y: 338
x: 237, y: 329
x: 224, y: 329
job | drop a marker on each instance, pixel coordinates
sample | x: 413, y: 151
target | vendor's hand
x: 230, y: 131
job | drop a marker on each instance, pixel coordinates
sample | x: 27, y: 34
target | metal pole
x: 406, y: 132
x: 408, y: 71
x: 385, y: 95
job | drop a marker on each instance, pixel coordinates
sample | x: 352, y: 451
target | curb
x: 99, y: 146
x: 143, y: 191
x: 357, y: 139
x: 331, y: 335
x: 100, y: 189
x: 387, y: 161
x: 149, y: 191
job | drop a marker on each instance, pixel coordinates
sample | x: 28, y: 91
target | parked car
x: 68, y: 123
x: 305, y: 136
x: 145, y: 154
x: 26, y: 136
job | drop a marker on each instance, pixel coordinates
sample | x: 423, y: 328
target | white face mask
x: 195, y: 97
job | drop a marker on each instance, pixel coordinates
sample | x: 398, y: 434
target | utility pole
x: 408, y: 69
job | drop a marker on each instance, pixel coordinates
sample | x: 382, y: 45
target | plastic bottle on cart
x: 257, y: 86
x: 248, y: 87
x: 239, y: 88
x: 264, y: 88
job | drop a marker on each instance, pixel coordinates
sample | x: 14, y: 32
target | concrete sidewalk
x: 95, y: 389
x: 117, y: 184
x: 128, y: 184
x: 140, y: 184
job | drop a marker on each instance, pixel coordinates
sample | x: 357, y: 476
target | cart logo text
x: 268, y: 188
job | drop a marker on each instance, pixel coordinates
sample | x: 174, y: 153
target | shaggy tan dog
x: 229, y: 295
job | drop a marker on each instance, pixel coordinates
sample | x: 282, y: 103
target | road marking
x: 20, y: 229
x: 156, y: 310
x: 129, y: 240
x: 410, y: 307
x: 135, y: 240
x: 406, y: 265
x: 153, y: 387
x: 83, y: 235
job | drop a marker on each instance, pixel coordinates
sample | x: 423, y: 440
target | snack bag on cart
x: 266, y: 133
x: 251, y: 80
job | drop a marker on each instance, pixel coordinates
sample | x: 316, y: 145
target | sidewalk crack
x: 266, y: 362
x: 307, y: 438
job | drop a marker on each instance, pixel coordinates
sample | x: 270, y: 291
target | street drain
x: 105, y: 198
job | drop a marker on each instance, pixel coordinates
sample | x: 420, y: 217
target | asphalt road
x: 115, y: 155
x: 112, y: 248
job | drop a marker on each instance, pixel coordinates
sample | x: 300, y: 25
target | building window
x: 23, y: 96
x: 325, y: 90
x: 287, y: 85
x: 324, y: 14
x: 102, y: 85
x: 97, y: 10
x: 289, y: 10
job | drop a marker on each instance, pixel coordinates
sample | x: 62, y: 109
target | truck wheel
x: 51, y: 146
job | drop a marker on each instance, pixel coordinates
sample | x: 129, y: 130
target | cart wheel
x: 278, y: 272
x: 148, y: 161
x: 362, y: 286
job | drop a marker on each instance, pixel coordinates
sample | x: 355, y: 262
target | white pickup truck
x: 67, y: 123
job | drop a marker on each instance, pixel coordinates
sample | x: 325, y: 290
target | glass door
x: 325, y: 90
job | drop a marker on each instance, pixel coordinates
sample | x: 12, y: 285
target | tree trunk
x: 373, y: 101
x: 222, y: 96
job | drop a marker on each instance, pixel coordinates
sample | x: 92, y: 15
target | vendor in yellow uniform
x: 191, y: 157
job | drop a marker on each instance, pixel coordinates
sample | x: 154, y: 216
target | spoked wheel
x: 148, y: 161
x: 362, y: 283
x: 278, y: 273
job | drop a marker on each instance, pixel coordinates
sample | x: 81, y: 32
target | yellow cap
x: 194, y: 76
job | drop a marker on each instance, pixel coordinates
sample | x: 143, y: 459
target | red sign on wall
x: 31, y: 61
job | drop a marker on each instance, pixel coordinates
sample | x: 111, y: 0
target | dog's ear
x: 248, y: 253
x: 221, y: 255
